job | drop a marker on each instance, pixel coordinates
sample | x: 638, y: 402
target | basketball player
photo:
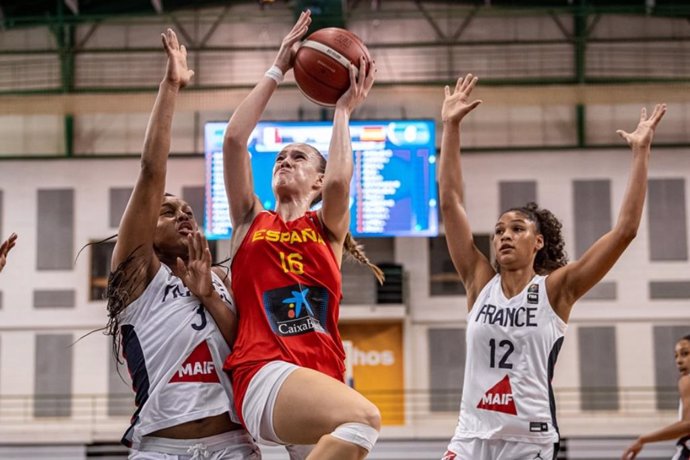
x: 287, y: 365
x: 681, y: 428
x: 5, y: 248
x: 519, y: 308
x: 159, y: 292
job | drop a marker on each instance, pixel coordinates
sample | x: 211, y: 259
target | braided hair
x: 352, y: 248
x: 122, y: 282
x: 552, y: 255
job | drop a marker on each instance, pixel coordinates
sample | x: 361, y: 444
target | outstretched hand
x: 288, y: 48
x: 644, y: 133
x: 196, y: 273
x: 5, y: 247
x: 176, y: 72
x: 632, y: 451
x: 360, y: 83
x: 456, y: 104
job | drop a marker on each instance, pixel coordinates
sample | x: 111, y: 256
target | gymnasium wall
x: 615, y: 375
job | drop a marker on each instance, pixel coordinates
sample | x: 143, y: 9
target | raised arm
x: 138, y: 222
x: 239, y: 184
x: 335, y: 211
x: 569, y: 283
x: 5, y: 248
x: 472, y: 266
x: 673, y: 431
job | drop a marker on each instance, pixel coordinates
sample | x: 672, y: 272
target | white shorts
x: 259, y: 402
x: 498, y: 449
x: 232, y: 445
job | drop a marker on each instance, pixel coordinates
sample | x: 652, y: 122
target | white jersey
x: 175, y: 354
x: 512, y: 346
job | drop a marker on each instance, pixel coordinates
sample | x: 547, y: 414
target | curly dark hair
x: 552, y: 255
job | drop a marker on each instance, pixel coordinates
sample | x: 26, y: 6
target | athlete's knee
x: 364, y: 412
x: 372, y: 416
x: 359, y: 434
x: 363, y: 427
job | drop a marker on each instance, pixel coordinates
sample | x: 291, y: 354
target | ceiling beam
x: 157, y: 5
x: 73, y: 6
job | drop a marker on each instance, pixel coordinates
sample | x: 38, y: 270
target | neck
x: 292, y: 208
x: 514, y: 281
x: 171, y: 262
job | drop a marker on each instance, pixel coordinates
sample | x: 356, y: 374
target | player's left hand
x: 456, y: 104
x: 360, y: 84
x: 5, y: 248
x: 644, y: 133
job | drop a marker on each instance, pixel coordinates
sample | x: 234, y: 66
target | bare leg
x: 310, y: 405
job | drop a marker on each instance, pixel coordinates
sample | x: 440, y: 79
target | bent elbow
x: 339, y: 186
x: 449, y: 201
x: 233, y: 138
x: 627, y: 235
x: 151, y: 169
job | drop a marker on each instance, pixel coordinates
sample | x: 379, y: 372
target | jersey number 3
x: 202, y: 313
x: 503, y: 363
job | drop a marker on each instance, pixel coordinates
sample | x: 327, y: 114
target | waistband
x: 195, y: 447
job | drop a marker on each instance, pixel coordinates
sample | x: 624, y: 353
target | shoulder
x: 223, y: 273
x: 684, y: 386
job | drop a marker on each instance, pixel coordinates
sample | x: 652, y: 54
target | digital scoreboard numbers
x: 393, y: 191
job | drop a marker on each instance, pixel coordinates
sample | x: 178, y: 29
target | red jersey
x: 287, y: 288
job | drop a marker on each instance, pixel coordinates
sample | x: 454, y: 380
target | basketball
x: 322, y: 64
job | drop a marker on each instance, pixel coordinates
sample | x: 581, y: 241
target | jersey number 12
x: 503, y: 363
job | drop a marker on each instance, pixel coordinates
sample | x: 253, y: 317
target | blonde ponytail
x: 356, y: 251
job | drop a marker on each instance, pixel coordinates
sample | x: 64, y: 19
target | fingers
x: 199, y: 245
x: 658, y: 114
x: 166, y: 45
x: 205, y: 251
x: 353, y: 76
x: 471, y: 84
x: 172, y: 38
x: 183, y: 49
x: 365, y: 75
x: 301, y: 26
x: 474, y: 105
x: 371, y: 74
x: 8, y: 244
x: 446, y: 90
x: 622, y: 134
x: 465, y: 84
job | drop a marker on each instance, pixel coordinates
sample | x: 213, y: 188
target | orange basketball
x: 322, y: 64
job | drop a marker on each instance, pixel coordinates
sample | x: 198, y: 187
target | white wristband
x: 275, y: 74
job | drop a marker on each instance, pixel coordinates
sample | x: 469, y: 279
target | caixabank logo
x: 297, y: 309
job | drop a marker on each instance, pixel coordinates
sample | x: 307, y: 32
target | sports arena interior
x: 557, y: 79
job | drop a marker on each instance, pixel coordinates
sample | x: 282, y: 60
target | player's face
x: 296, y: 170
x: 175, y: 223
x: 683, y: 357
x: 516, y: 240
